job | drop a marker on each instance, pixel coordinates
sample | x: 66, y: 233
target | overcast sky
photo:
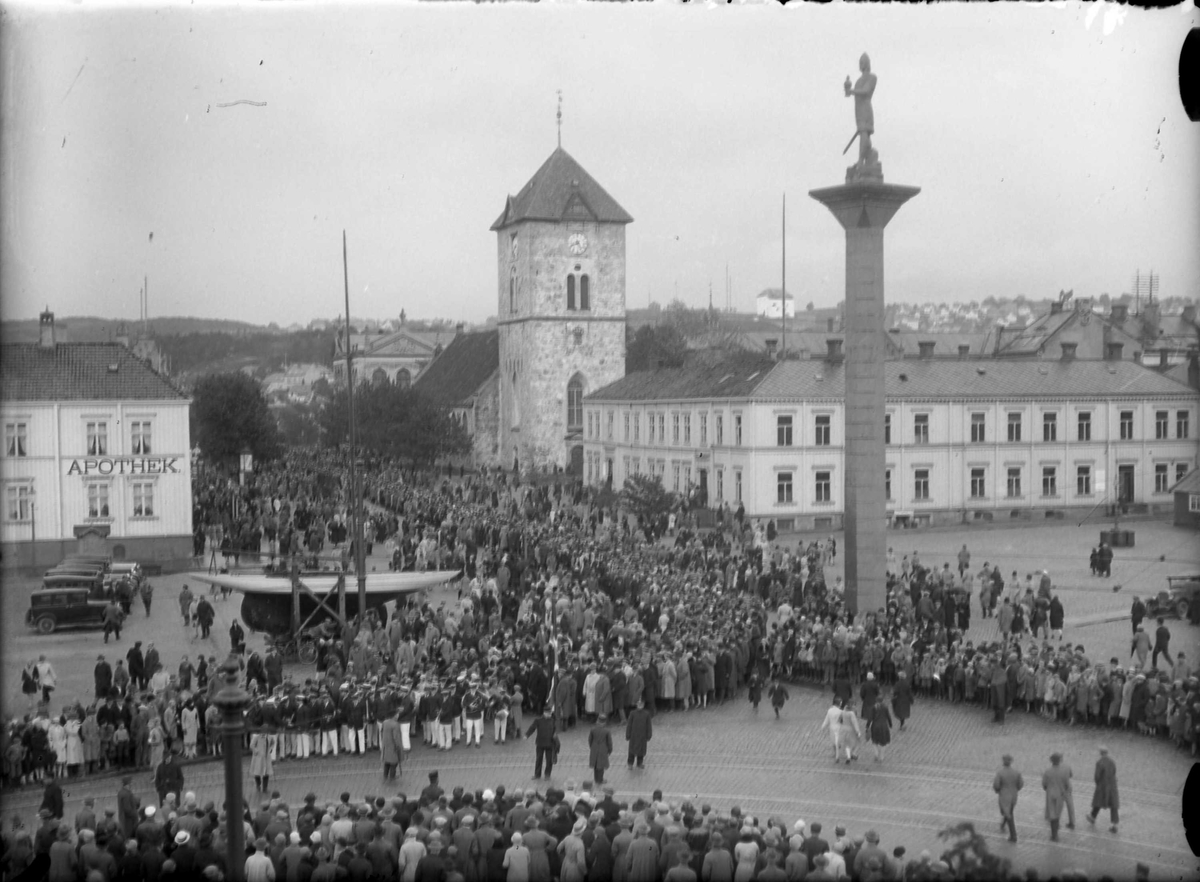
x: 1052, y: 152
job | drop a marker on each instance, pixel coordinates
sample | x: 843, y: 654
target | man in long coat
x: 902, y: 698
x: 600, y: 746
x: 391, y: 746
x: 639, y: 729
x: 1105, y: 794
x: 1056, y: 781
x: 1007, y: 783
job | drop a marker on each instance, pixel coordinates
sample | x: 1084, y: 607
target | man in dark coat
x: 168, y: 777
x: 104, y: 678
x: 869, y: 693
x: 391, y: 747
x: 52, y: 798
x: 1105, y: 794
x: 127, y: 808
x: 902, y: 698
x: 600, y: 747
x: 137, y: 666
x: 639, y: 729
x: 545, y: 744
x: 1137, y: 612
x: 1007, y: 783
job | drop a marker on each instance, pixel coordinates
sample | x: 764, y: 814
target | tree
x: 652, y: 347
x: 646, y: 497
x: 395, y: 422
x: 298, y: 425
x: 229, y: 412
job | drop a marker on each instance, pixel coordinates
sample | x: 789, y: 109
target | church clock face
x: 578, y: 243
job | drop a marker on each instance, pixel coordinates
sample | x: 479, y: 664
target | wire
x: 244, y: 101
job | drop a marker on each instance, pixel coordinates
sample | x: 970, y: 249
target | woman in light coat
x: 57, y: 736
x: 190, y: 721
x: 260, y: 761
x: 683, y: 681
x: 93, y: 750
x: 74, y: 742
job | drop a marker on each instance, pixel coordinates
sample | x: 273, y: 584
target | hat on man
x: 872, y: 836
x: 182, y: 837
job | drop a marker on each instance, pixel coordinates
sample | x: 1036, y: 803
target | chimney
x: 834, y: 348
x: 458, y: 329
x: 1193, y: 372
x: 964, y: 350
x: 1055, y: 307
x: 1068, y: 350
x: 829, y: 326
x: 1164, y: 357
x: 771, y: 345
x: 926, y: 348
x: 1137, y: 358
x: 1113, y: 351
x: 1189, y: 313
x: 1119, y: 312
x: 46, y: 329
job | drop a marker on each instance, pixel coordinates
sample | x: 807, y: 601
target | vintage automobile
x: 53, y: 608
x: 125, y: 570
x: 1181, y: 598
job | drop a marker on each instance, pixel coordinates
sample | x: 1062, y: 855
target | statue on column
x: 868, y: 166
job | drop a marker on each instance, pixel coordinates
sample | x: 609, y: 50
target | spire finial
x: 558, y: 117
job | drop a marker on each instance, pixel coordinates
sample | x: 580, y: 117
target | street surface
x: 938, y: 771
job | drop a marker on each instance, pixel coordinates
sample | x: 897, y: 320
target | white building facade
x: 96, y: 455
x: 966, y: 439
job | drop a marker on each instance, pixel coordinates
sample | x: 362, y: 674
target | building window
x: 719, y: 429
x: 783, y: 487
x: 887, y: 483
x: 97, y: 440
x: 512, y: 291
x: 1085, y: 426
x: 887, y: 428
x: 822, y: 487
x: 1083, y: 480
x: 626, y: 427
x: 20, y: 502
x: 1049, y: 481
x: 921, y: 484
x: 16, y: 438
x: 921, y: 428
x: 637, y: 465
x: 1161, y: 478
x: 98, y: 500
x: 1014, y: 483
x: 978, y: 483
x: 143, y: 499
x: 675, y: 429
x: 675, y: 474
x: 611, y: 420
x: 687, y: 429
x: 720, y: 485
x: 1181, y: 470
x: 822, y: 438
x: 575, y: 404
x: 637, y: 427
x: 571, y: 293
x: 1127, y: 425
x: 1181, y: 424
x: 737, y: 429
x: 662, y: 428
x: 783, y: 431
x: 1049, y: 427
x: 585, y: 297
x: 978, y: 428
x: 687, y: 478
x: 737, y: 486
x: 1194, y: 502
x: 140, y: 436
x: 1162, y: 424
x: 703, y: 430
x: 1014, y: 428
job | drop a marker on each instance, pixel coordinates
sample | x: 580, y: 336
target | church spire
x: 558, y: 117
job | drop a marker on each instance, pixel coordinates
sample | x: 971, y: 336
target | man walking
x: 1162, y: 643
x: 546, y: 737
x: 600, y: 747
x: 1007, y: 783
x: 112, y: 617
x: 168, y: 777
x: 391, y: 747
x: 185, y: 604
x: 1137, y: 612
x: 1105, y: 794
x: 1056, y: 781
x: 639, y: 729
x: 964, y: 560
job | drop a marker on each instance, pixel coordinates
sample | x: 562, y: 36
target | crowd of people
x: 581, y: 832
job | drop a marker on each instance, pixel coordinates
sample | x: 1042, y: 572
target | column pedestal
x: 863, y: 208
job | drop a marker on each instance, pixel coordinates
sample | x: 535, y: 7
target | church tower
x: 560, y: 252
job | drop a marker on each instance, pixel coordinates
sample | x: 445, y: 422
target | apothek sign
x: 125, y: 465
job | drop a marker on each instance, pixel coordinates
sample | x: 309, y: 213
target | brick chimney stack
x: 926, y: 348
x: 834, y: 348
x: 1068, y: 350
x: 46, y: 329
x: 964, y: 350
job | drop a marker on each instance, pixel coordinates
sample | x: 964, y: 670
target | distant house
x: 771, y: 304
x: 397, y: 357
x: 1187, y: 500
x: 295, y: 382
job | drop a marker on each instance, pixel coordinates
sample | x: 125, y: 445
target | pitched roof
x: 947, y: 379
x: 1189, y: 483
x: 465, y: 365
x: 561, y: 190
x: 79, y: 372
x: 728, y: 378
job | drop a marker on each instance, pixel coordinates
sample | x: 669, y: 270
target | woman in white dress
x: 72, y: 728
x: 57, y: 736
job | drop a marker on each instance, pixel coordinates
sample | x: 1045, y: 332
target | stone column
x: 863, y: 208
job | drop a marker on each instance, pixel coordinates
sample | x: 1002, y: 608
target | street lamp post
x: 232, y: 701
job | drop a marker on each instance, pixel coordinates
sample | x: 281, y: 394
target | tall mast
x: 783, y: 293
x: 360, y: 557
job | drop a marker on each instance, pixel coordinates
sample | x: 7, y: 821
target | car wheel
x: 1181, y: 607
x: 308, y: 652
x: 45, y: 625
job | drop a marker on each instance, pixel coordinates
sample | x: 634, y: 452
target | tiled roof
x: 948, y: 379
x: 1190, y: 483
x: 465, y: 365
x: 79, y: 372
x: 561, y: 190
x: 728, y: 378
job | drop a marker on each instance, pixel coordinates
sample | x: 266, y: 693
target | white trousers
x: 329, y: 742
x: 476, y: 727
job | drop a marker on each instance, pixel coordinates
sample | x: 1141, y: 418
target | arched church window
x: 571, y: 292
x: 575, y: 403
x: 516, y: 402
x: 379, y: 377
x: 512, y: 291
x: 403, y: 378
x: 584, y: 298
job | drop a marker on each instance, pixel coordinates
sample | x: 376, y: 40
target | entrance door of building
x: 576, y: 466
x: 704, y: 486
x: 1125, y: 484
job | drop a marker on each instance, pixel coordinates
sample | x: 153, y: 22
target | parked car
x: 1185, y: 594
x: 53, y: 608
x: 130, y: 570
x: 90, y: 580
